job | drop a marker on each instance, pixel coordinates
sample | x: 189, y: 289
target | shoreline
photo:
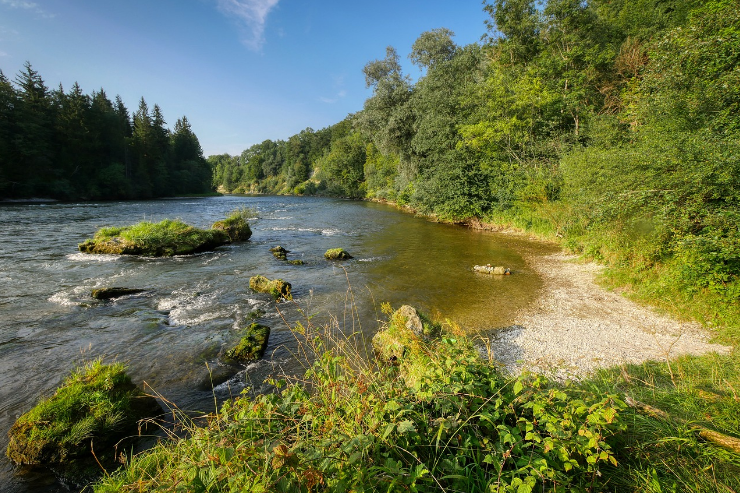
x: 577, y: 327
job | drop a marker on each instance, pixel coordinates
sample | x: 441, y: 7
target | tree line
x: 611, y: 123
x: 70, y: 145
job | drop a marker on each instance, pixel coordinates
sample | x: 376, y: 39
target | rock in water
x: 487, y: 269
x: 278, y: 288
x: 252, y: 346
x: 337, y: 254
x: 115, y: 292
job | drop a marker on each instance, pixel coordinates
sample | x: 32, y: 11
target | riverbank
x: 577, y: 326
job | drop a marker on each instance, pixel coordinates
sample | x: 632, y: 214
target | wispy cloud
x: 2, y: 54
x: 336, y: 98
x: 31, y: 6
x: 250, y: 14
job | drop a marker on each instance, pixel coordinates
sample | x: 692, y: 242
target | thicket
x: 70, y: 145
x: 611, y: 124
x: 442, y: 420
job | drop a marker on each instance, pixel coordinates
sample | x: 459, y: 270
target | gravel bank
x: 577, y: 326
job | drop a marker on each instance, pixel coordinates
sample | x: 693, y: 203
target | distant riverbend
x: 193, y: 306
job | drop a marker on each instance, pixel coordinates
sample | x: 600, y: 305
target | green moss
x: 252, y: 345
x: 278, y: 288
x: 236, y: 224
x: 337, y: 254
x: 162, y: 239
x: 279, y: 252
x: 95, y: 403
x: 296, y: 262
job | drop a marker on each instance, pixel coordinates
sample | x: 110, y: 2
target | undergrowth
x: 353, y: 425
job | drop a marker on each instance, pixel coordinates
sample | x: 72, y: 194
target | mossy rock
x: 97, y: 403
x: 163, y: 239
x: 113, y: 292
x: 407, y: 329
x: 252, y: 345
x: 278, y: 288
x: 337, y: 254
x: 280, y: 253
x: 296, y: 262
x: 236, y: 227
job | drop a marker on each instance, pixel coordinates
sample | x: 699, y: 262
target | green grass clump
x: 457, y: 425
x: 251, y: 346
x: 337, y: 254
x: 162, y: 239
x: 668, y: 453
x: 95, y: 403
x: 236, y: 224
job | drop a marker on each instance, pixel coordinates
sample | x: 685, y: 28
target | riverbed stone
x: 252, y: 345
x: 495, y: 270
x: 113, y: 292
x: 337, y: 254
x: 278, y: 288
x: 279, y: 252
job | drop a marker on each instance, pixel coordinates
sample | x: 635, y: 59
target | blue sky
x: 242, y: 71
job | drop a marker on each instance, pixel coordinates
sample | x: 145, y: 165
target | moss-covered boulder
x: 278, y: 288
x: 163, y: 239
x: 236, y: 225
x: 252, y: 345
x: 296, y: 262
x: 113, y: 292
x: 337, y: 254
x: 96, y: 404
x: 280, y: 253
x: 407, y: 329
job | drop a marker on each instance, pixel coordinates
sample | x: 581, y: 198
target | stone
x: 113, y: 292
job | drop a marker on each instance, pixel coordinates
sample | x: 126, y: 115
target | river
x: 194, y: 306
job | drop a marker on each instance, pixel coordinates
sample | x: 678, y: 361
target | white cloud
x: 2, y: 53
x: 336, y: 98
x: 23, y: 4
x: 251, y: 14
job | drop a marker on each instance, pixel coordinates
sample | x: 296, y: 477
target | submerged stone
x: 296, y: 262
x: 114, y: 292
x: 278, y: 288
x: 488, y: 269
x: 252, y: 345
x: 337, y: 254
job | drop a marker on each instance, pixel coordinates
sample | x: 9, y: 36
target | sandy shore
x: 576, y: 326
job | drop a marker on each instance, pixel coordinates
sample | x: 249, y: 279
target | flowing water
x: 194, y: 306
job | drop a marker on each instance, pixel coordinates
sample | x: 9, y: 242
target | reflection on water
x: 194, y: 306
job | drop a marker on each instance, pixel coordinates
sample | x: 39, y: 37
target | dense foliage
x: 69, y: 145
x: 611, y: 124
x: 444, y: 420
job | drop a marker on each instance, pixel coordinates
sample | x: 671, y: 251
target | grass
x: 169, y: 237
x: 236, y: 224
x: 667, y: 453
x: 97, y: 404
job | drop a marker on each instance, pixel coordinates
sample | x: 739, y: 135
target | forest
x: 68, y: 145
x: 612, y: 125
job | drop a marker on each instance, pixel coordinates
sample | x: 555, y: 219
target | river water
x: 194, y: 306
